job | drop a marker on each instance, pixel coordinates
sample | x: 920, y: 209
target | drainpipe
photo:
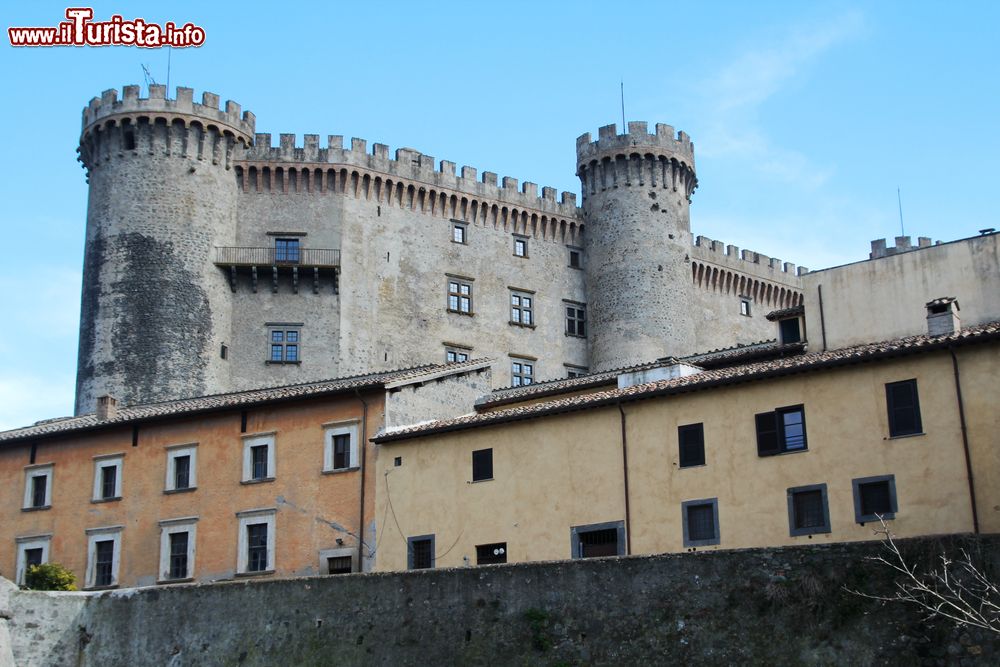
x: 965, y: 442
x: 363, y: 445
x: 628, y: 517
x: 822, y: 321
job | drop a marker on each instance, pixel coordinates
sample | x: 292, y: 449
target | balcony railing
x: 305, y: 257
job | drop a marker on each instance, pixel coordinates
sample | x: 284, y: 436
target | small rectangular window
x: 257, y: 547
x: 701, y: 522
x: 181, y: 468
x: 874, y: 497
x: 522, y: 372
x: 108, y: 477
x: 286, y: 251
x: 691, y: 439
x: 285, y: 344
x: 179, y: 555
x: 482, y: 465
x: 789, y: 330
x: 903, y: 406
x: 574, y: 259
x: 520, y: 247
x: 783, y: 430
x: 458, y: 233
x: 104, y: 555
x: 342, y: 450
x: 745, y: 306
x: 109, y: 481
x: 454, y: 354
x: 491, y: 554
x: 420, y: 552
x: 597, y: 540
x: 38, y: 486
x: 338, y: 565
x: 576, y: 320
x: 576, y: 371
x: 459, y: 296
x: 32, y: 550
x: 39, y: 490
x: 258, y: 457
x: 522, y: 308
x: 808, y: 513
x: 182, y: 471
x: 33, y: 556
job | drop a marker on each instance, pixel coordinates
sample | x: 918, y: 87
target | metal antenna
x: 169, y: 50
x: 899, y: 198
x: 624, y: 127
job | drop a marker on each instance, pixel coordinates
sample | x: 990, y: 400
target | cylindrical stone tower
x: 155, y: 309
x: 636, y: 192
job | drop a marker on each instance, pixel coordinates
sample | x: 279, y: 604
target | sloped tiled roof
x: 240, y: 399
x: 786, y: 312
x: 707, y: 379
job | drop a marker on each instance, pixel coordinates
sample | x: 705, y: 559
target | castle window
x: 285, y: 342
x: 420, y: 552
x: 341, y: 450
x: 108, y: 477
x: 460, y: 295
x: 37, y: 487
x: 482, y: 465
x: 576, y: 371
x: 33, y: 550
x: 522, y: 308
x: 522, y: 371
x: 691, y: 445
x: 286, y: 251
x: 575, y: 258
x: 701, y: 522
x: 874, y: 497
x: 182, y: 471
x: 177, y: 546
x: 456, y: 354
x: 491, y: 554
x: 103, y: 556
x: 596, y: 540
x: 808, y: 513
x: 459, y: 232
x: 903, y: 406
x: 745, y: 306
x: 255, y: 553
x: 520, y: 246
x: 576, y: 319
x: 258, y: 458
x: 783, y: 430
x: 343, y: 560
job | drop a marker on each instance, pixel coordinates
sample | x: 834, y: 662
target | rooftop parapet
x: 108, y: 105
x: 718, y: 250
x: 411, y: 164
x: 637, y: 140
x: 903, y: 244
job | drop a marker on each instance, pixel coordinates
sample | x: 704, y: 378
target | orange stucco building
x: 276, y: 481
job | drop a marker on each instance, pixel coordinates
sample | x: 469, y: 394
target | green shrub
x: 49, y: 577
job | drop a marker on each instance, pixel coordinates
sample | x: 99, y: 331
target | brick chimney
x: 107, y: 407
x: 942, y: 316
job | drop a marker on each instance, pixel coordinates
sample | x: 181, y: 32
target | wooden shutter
x: 767, y: 434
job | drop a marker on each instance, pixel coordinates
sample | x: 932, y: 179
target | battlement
x: 903, y: 244
x: 719, y: 252
x: 108, y: 105
x: 408, y: 163
x: 637, y: 139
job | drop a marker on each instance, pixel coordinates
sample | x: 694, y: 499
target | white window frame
x: 43, y: 542
x: 182, y: 450
x: 255, y: 440
x: 95, y: 535
x: 30, y: 473
x: 108, y: 461
x: 187, y: 525
x: 248, y: 518
x: 340, y: 428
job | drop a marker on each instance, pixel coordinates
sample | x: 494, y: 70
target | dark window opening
x: 258, y: 458
x: 129, y: 140
x: 339, y: 565
x: 482, y: 465
x: 109, y: 480
x: 903, y: 405
x: 32, y: 557
x: 421, y: 552
x: 342, y: 451
x: 692, y: 445
x: 491, y: 554
x: 286, y: 251
x: 789, y: 330
x: 576, y: 371
x: 257, y: 547
x: 39, y: 488
x: 182, y: 471
x: 576, y: 320
x: 807, y: 510
x: 574, y: 259
x: 224, y: 351
x: 700, y: 520
x: 104, y: 556
x: 178, y: 555
x: 783, y: 430
x: 597, y: 543
x: 875, y: 497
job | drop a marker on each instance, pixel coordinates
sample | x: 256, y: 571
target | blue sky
x: 806, y: 117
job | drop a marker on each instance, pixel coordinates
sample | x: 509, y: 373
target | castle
x: 216, y: 262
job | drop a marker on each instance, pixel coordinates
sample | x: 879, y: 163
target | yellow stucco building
x: 809, y: 448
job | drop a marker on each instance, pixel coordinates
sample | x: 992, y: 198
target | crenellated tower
x: 156, y: 311
x: 636, y: 194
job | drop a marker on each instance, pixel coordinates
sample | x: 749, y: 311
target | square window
x: 482, y: 465
x: 745, y: 306
x: 341, y: 450
x: 903, y: 405
x: 691, y: 441
x: 460, y: 296
x: 521, y: 308
x: 790, y: 331
x: 701, y: 522
x: 182, y: 472
x: 597, y: 540
x: 33, y: 550
x: 576, y: 319
x: 177, y: 547
x: 103, y: 556
x: 521, y: 373
x: 874, y: 497
x: 286, y: 251
x: 258, y: 458
x: 108, y: 477
x: 491, y: 554
x: 285, y: 343
x: 520, y: 247
x: 808, y: 512
x: 783, y: 430
x: 38, y: 486
x: 420, y: 552
x: 256, y: 541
